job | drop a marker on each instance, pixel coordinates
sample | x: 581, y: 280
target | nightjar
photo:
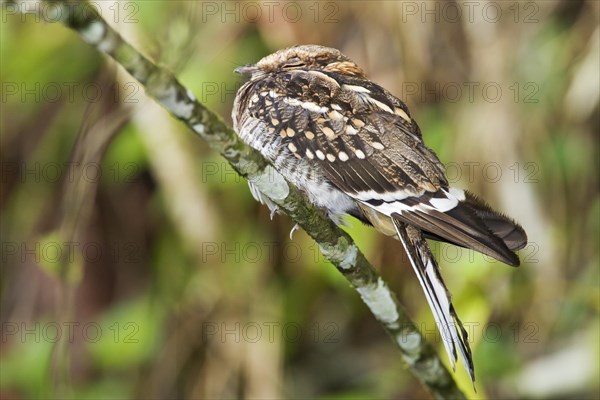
x: 353, y: 148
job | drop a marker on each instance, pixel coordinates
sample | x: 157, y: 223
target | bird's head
x: 303, y: 57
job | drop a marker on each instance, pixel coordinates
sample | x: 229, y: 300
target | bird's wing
x: 363, y: 141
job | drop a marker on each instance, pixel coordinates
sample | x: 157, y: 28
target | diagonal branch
x: 336, y: 245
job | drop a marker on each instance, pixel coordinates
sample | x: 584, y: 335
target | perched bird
x: 353, y: 148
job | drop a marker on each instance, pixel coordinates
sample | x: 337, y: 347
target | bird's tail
x: 466, y: 221
x: 453, y: 333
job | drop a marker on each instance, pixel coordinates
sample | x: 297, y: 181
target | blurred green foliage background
x: 135, y: 263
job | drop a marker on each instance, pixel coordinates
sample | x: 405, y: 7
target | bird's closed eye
x: 294, y: 63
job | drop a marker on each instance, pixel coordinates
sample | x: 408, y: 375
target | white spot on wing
x: 391, y: 208
x: 354, y: 88
x: 358, y: 123
x: 350, y: 130
x: 392, y: 201
x: 292, y: 101
x: 443, y: 204
x: 335, y: 115
x: 387, y: 196
x: 379, y: 104
x: 453, y: 197
x: 402, y: 113
x: 328, y: 132
x: 310, y: 106
x: 458, y: 193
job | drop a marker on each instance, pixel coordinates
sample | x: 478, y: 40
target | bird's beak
x: 246, y: 69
